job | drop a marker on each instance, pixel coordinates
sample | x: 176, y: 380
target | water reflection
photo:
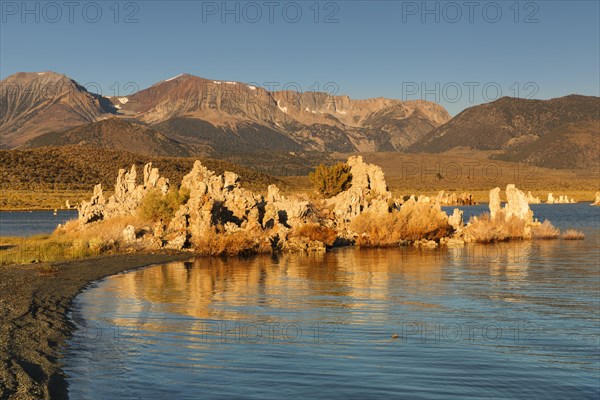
x: 479, y: 321
x: 350, y: 279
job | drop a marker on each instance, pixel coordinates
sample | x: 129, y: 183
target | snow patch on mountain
x: 284, y: 109
x: 175, y: 77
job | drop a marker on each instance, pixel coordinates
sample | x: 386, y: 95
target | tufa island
x: 213, y: 215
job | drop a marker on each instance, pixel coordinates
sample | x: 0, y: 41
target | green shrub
x: 158, y: 207
x: 331, y: 180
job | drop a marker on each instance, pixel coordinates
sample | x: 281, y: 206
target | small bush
x: 481, y: 229
x: 331, y: 180
x: 158, y: 207
x: 572, y: 234
x: 414, y: 221
x: 484, y: 229
x: 216, y: 243
x: 317, y: 232
x: 104, y: 231
x: 546, y: 231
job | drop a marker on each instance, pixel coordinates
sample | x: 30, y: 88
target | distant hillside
x: 218, y: 140
x: 555, y: 133
x: 508, y: 122
x: 570, y: 146
x: 116, y: 134
x: 81, y: 167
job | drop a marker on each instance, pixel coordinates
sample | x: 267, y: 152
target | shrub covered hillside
x: 80, y: 168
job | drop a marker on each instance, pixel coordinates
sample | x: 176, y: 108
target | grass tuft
x: 484, y: 229
x: 414, y: 221
x: 572, y: 234
x: 546, y: 231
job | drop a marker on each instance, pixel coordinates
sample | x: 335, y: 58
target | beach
x: 34, y: 302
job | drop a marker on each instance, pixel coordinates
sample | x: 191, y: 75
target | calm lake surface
x: 27, y: 223
x: 518, y: 320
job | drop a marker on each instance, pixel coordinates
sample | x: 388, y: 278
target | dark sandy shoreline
x: 33, y: 323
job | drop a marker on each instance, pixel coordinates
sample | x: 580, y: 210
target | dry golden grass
x: 546, y: 231
x: 230, y: 244
x: 377, y: 230
x: 35, y: 249
x: 572, y: 234
x: 481, y: 229
x: 317, y: 232
x: 104, y: 231
x: 68, y: 242
x: 414, y: 221
x: 484, y: 229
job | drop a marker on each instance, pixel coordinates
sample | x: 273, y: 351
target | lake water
x: 514, y: 320
x: 27, y: 223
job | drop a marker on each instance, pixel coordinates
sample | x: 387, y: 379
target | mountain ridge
x: 314, y: 121
x: 188, y: 115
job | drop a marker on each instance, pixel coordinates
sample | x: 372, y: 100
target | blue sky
x: 539, y: 49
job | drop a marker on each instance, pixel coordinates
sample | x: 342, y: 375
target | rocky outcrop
x: 127, y: 197
x: 368, y: 192
x: 597, y: 201
x: 453, y: 199
x: 516, y: 205
x: 559, y: 200
x: 218, y: 216
x: 215, y: 201
x: 531, y: 199
x: 495, y: 204
x: 456, y: 220
x: 513, y: 221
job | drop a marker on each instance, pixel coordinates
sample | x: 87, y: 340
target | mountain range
x: 187, y: 115
x: 215, y: 116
